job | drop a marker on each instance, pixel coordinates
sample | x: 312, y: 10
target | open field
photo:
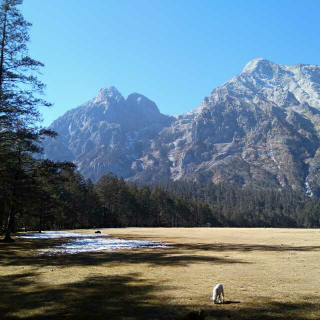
x: 267, y: 274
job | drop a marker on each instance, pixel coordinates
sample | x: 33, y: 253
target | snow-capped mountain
x: 261, y: 128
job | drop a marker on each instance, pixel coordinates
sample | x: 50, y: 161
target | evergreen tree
x: 19, y: 107
x: 20, y: 167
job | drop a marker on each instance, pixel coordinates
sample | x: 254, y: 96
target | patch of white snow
x: 59, y: 234
x: 308, y: 190
x: 89, y: 242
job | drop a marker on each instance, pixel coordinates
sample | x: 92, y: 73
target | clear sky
x: 175, y: 52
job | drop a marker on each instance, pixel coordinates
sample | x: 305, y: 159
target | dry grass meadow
x: 267, y: 274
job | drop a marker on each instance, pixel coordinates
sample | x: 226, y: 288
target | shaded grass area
x: 120, y: 297
x: 109, y: 297
x: 138, y: 284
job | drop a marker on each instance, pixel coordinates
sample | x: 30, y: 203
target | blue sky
x: 175, y: 52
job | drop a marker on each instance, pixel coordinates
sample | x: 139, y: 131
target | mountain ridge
x: 261, y: 128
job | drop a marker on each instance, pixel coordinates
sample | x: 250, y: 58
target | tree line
x: 58, y: 197
x: 37, y: 194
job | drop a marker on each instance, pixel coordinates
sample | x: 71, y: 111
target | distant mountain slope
x: 106, y: 133
x: 260, y: 128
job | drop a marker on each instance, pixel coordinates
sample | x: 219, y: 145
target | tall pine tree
x: 20, y: 92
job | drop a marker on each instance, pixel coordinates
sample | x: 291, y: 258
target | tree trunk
x: 7, y: 237
x: 40, y: 217
x: 1, y: 218
x: 40, y: 222
x: 10, y: 225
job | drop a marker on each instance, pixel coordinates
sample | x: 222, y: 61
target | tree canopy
x: 20, y: 92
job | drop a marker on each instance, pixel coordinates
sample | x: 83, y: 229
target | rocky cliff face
x: 260, y: 128
x: 107, y: 133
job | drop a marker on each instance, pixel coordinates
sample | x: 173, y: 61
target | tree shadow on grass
x: 221, y: 247
x: 96, y: 297
x: 269, y: 310
x: 123, y: 298
x: 25, y: 253
x: 10, y: 288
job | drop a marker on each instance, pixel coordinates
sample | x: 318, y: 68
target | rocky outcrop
x: 261, y: 128
x: 107, y: 133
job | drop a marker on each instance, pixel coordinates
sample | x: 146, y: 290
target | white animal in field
x: 218, y: 294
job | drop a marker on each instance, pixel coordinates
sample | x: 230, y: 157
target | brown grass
x: 267, y: 274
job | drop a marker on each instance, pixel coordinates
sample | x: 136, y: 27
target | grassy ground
x: 267, y: 274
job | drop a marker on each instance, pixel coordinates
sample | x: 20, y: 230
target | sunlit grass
x: 267, y: 274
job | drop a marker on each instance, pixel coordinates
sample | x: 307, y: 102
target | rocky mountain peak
x: 261, y: 66
x: 110, y: 93
x: 142, y: 103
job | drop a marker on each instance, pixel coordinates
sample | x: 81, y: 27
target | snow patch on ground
x: 59, y: 234
x: 89, y: 242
